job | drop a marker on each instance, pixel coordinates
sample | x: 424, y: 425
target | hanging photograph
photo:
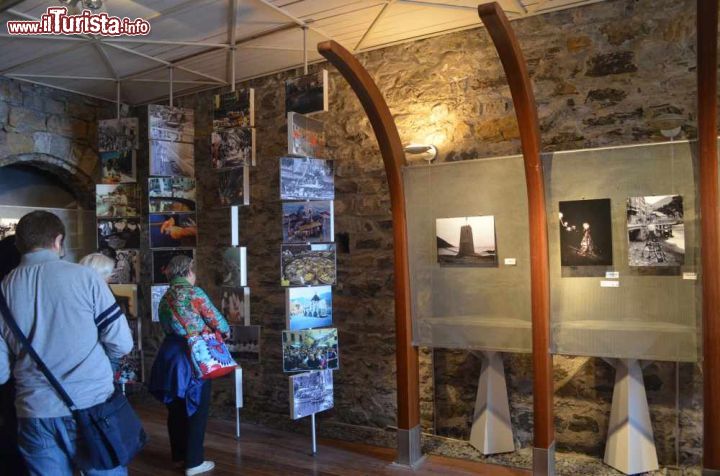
x: 130, y: 369
x: 586, y: 233
x: 306, y: 136
x: 175, y: 230
x: 306, y: 179
x: 306, y: 222
x: 310, y: 349
x: 127, y: 298
x: 656, y: 231
x: 161, y: 259
x: 244, y: 343
x: 308, y: 307
x: 127, y: 266
x: 175, y: 124
x: 118, y: 134
x: 234, y: 109
x: 121, y: 200
x: 233, y: 272
x: 233, y: 148
x: 235, y: 304
x: 157, y: 292
x: 308, y: 265
x: 172, y: 158
x: 466, y: 241
x: 233, y: 187
x: 171, y: 194
x: 118, y: 167
x: 310, y: 393
x: 307, y: 94
x: 8, y: 227
x: 118, y: 233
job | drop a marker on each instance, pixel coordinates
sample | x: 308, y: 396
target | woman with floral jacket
x: 185, y: 311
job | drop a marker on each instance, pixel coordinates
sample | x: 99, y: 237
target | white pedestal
x: 630, y: 445
x: 491, y: 430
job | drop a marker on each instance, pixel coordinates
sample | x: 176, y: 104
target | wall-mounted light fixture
x: 669, y: 124
x: 418, y: 152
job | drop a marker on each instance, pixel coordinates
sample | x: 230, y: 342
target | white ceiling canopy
x: 194, y: 40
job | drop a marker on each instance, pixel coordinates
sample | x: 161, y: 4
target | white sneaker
x: 203, y: 468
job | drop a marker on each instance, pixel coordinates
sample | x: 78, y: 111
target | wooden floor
x: 263, y: 451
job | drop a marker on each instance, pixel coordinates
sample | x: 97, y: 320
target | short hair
x: 179, y: 267
x: 103, y: 265
x: 38, y: 230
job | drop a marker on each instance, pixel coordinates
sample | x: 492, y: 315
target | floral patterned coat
x: 185, y: 310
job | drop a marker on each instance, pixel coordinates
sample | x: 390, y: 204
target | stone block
x: 15, y: 143
x: 26, y: 120
x: 67, y: 126
x: 4, y: 112
x: 618, y: 62
x: 52, y: 144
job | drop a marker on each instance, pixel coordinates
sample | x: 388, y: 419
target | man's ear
x: 58, y: 244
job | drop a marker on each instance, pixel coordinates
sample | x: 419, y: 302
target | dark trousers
x: 187, y: 433
x: 11, y: 463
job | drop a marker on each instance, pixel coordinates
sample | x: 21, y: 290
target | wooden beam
x: 523, y: 98
x: 707, y: 30
x: 391, y: 149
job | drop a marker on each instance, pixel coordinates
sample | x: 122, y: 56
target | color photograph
x: 310, y: 349
x: 233, y: 187
x: 172, y: 158
x: 157, y: 292
x: 586, y: 233
x: 308, y: 265
x: 306, y: 179
x: 244, y: 343
x: 234, y: 267
x: 172, y: 194
x: 130, y: 370
x: 118, y: 134
x: 176, y: 230
x: 466, y: 241
x: 118, y: 167
x: 309, y: 307
x: 310, y: 393
x: 161, y: 259
x: 233, y: 148
x: 234, y: 109
x: 126, y: 296
x: 121, y: 200
x: 173, y: 124
x: 127, y: 266
x: 306, y: 136
x: 307, y: 94
x: 308, y: 222
x: 235, y: 304
x: 118, y: 233
x: 656, y: 231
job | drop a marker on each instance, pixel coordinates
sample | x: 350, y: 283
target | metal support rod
x: 232, y: 39
x: 305, y: 52
x: 314, y: 434
x: 171, y: 86
x: 117, y: 102
x: 237, y: 423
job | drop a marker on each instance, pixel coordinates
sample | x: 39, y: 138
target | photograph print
x: 161, y: 259
x: 308, y: 265
x: 157, y: 292
x: 8, y: 227
x: 307, y: 94
x: 127, y: 266
x: 307, y: 222
x: 310, y: 393
x: 309, y: 307
x: 466, y: 241
x: 126, y: 296
x: 174, y: 230
x: 244, y: 343
x: 122, y: 200
x: 233, y: 187
x: 118, y: 134
x: 118, y: 166
x: 310, y: 349
x: 234, y: 109
x: 118, y: 233
x: 233, y: 148
x: 235, y: 304
x: 174, y: 124
x: 130, y: 369
x: 656, y: 231
x: 171, y: 194
x: 306, y: 136
x: 233, y: 272
x: 306, y: 179
x: 175, y: 159
x: 586, y: 233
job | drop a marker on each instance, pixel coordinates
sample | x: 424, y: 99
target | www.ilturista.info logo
x: 57, y: 22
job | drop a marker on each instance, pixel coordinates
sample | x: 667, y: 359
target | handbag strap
x: 10, y: 321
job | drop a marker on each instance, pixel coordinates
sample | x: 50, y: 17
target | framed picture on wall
x: 308, y: 307
x: 310, y: 349
x: 118, y: 134
x: 234, y: 109
x: 244, y: 343
x: 303, y: 178
x: 466, y: 241
x: 308, y: 222
x: 172, y: 194
x: 308, y: 265
x: 122, y: 200
x: 233, y: 148
x: 310, y: 393
x: 174, y: 124
x: 172, y: 158
x: 307, y: 94
x: 118, y: 167
x: 127, y: 266
x: 306, y: 136
x: 586, y: 233
x: 173, y: 230
x: 119, y: 233
x: 656, y: 231
x: 233, y: 187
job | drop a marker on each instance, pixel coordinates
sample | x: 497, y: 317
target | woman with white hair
x: 103, y: 265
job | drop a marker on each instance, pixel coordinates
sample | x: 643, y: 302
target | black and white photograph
x: 234, y: 109
x: 233, y: 187
x: 310, y: 393
x: 306, y: 136
x: 127, y: 266
x: 308, y: 265
x: 466, y: 241
x: 233, y: 272
x: 235, y: 304
x: 308, y: 222
x: 122, y: 200
x: 307, y: 94
x: 157, y: 292
x: 161, y: 259
x: 7, y: 227
x: 174, y: 230
x: 586, y: 233
x: 174, y: 124
x: 310, y: 349
x: 118, y: 166
x: 171, y: 194
x: 118, y: 134
x: 118, y: 233
x: 656, y: 231
x: 172, y: 158
x: 306, y: 179
x: 233, y: 148
x: 308, y: 307
x: 244, y: 343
